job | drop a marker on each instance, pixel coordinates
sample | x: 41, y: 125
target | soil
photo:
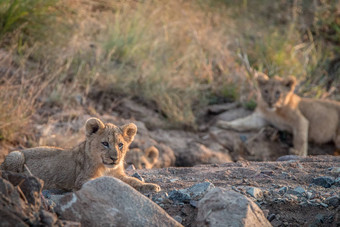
x: 286, y: 209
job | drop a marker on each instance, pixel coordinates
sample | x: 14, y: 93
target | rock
x: 20, y: 201
x: 333, y: 201
x: 288, y: 158
x: 335, y: 170
x: 220, y: 207
x: 271, y: 217
x: 309, y: 195
x: 283, y: 190
x: 299, y: 191
x: 233, y: 114
x: 255, y: 192
x: 324, y: 181
x: 179, y: 196
x: 138, y: 176
x: 197, y: 191
x: 178, y: 219
x: 107, y: 201
x: 219, y: 108
x: 337, y: 182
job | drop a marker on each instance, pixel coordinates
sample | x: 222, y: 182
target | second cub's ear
x: 129, y: 132
x: 93, y: 125
x: 152, y: 154
x: 261, y: 78
x: 290, y: 82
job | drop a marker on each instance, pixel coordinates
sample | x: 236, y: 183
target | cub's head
x: 108, y: 143
x: 276, y: 92
x: 142, y: 160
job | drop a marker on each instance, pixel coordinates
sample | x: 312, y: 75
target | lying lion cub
x: 307, y: 119
x: 104, y: 148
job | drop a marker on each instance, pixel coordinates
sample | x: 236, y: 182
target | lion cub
x: 307, y: 119
x: 104, y: 148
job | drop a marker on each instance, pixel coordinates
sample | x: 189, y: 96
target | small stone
x: 335, y: 170
x: 138, y: 176
x: 179, y: 196
x: 130, y: 167
x: 271, y: 217
x: 309, y: 195
x: 324, y: 181
x: 324, y: 205
x: 337, y: 182
x: 174, y: 180
x: 283, y: 190
x: 333, y: 201
x: 197, y: 191
x: 299, y: 191
x: 178, y: 219
x: 255, y: 192
x: 288, y: 158
x: 193, y: 203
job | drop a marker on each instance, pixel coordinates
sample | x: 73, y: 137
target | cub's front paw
x: 149, y: 187
x: 223, y: 124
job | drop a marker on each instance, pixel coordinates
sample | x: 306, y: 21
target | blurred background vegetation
x: 175, y: 57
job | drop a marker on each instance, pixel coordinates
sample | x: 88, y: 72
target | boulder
x: 220, y: 207
x: 107, y: 201
x: 20, y: 201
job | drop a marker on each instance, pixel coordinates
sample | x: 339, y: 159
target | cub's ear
x: 261, y: 78
x: 93, y: 125
x: 290, y: 82
x: 129, y: 132
x: 152, y: 154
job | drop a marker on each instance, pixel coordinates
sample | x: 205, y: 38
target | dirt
x: 287, y: 209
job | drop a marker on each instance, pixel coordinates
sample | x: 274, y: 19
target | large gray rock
x: 220, y: 207
x: 107, y: 201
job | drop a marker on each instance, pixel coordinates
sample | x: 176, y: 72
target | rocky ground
x: 296, y: 192
x: 199, y: 172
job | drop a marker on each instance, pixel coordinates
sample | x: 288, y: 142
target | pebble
x: 309, y: 195
x: 197, y: 191
x: 283, y: 190
x: 324, y: 181
x: 174, y: 180
x: 300, y: 191
x: 337, y: 182
x: 335, y: 170
x: 178, y: 219
x: 179, y: 196
x: 138, y: 176
x: 333, y: 201
x: 193, y: 203
x: 255, y: 192
x: 271, y: 217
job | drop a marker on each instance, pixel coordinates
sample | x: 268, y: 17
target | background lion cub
x: 307, y: 119
x: 104, y: 148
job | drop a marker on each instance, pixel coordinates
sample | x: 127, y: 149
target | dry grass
x: 176, y: 56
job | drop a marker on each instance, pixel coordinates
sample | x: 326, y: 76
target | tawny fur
x: 307, y: 119
x: 158, y: 156
x: 104, y: 149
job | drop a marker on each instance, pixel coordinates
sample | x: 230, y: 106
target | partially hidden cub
x: 307, y: 119
x: 104, y: 149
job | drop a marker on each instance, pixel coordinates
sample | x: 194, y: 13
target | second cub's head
x: 276, y: 91
x: 108, y: 143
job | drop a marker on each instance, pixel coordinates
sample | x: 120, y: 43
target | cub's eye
x: 266, y: 91
x: 120, y: 146
x: 105, y: 144
x: 277, y: 94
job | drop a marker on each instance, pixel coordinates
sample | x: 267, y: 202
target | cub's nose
x: 114, y: 159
